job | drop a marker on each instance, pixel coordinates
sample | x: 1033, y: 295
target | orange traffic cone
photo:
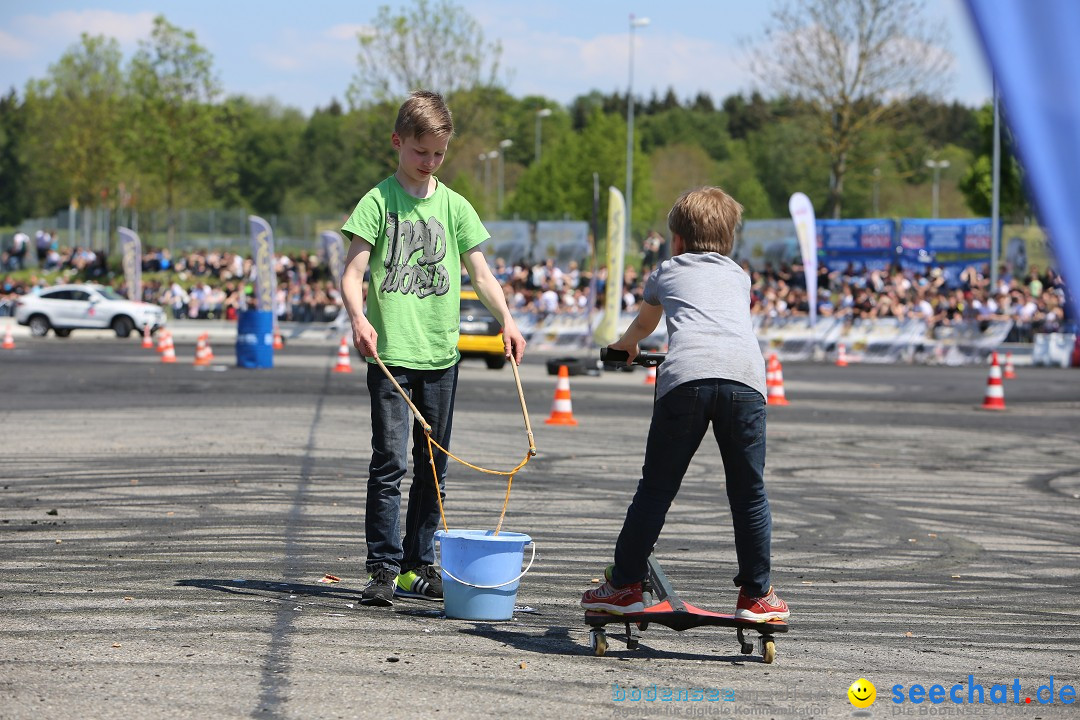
x: 841, y: 356
x: 995, y: 391
x: 9, y: 339
x: 561, y: 411
x: 163, y: 340
x: 343, y: 363
x: 209, y: 347
x: 1010, y: 371
x: 169, y: 354
x: 279, y: 344
x: 774, y: 382
x: 147, y: 341
x: 650, y: 375
x: 201, y: 358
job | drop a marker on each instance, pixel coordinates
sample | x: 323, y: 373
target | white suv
x: 64, y: 308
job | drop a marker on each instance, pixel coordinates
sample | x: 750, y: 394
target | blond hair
x: 423, y: 113
x: 706, y: 219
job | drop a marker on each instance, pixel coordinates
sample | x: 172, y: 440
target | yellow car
x: 479, y: 334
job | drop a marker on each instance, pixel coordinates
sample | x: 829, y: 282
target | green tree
x: 745, y: 117
x: 267, y: 141
x: 847, y: 58
x: 787, y: 160
x: 372, y: 158
x: 679, y: 125
x: 436, y: 46
x: 177, y: 133
x: 738, y: 176
x: 561, y: 184
x: 583, y: 107
x: 677, y: 167
x: 74, y: 148
x: 14, y: 198
x: 322, y: 170
x: 977, y: 184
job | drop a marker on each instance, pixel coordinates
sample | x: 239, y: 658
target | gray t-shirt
x: 706, y: 301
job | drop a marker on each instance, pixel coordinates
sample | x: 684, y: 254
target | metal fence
x: 95, y: 228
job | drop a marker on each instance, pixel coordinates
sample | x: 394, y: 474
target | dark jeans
x: 680, y: 419
x: 432, y: 391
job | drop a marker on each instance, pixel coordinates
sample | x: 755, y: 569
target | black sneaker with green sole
x: 379, y: 591
x: 424, y: 582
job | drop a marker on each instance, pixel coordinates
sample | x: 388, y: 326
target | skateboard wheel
x: 598, y: 642
x: 746, y: 646
x: 643, y: 625
x: 768, y: 650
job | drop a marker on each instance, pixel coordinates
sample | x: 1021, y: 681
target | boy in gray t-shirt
x: 714, y: 373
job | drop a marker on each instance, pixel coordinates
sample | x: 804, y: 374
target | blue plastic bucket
x: 480, y: 572
x: 255, y: 339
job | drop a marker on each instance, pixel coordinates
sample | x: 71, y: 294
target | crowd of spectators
x: 1034, y: 300
x: 209, y: 284
x: 51, y: 257
x: 201, y: 284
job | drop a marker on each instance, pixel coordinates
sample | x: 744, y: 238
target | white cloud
x: 348, y: 32
x: 563, y: 67
x: 291, y: 51
x: 15, y: 48
x: 65, y: 27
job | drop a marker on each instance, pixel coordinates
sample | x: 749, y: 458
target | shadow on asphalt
x: 558, y: 640
x: 261, y: 587
x: 555, y: 640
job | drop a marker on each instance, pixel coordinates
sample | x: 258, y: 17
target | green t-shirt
x: 414, y: 297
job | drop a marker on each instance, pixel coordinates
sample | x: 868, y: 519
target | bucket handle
x: 492, y: 587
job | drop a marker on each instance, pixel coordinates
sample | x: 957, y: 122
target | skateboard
x: 664, y: 607
x: 621, y: 357
x: 663, y: 604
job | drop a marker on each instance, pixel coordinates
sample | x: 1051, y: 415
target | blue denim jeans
x: 680, y: 419
x: 433, y: 392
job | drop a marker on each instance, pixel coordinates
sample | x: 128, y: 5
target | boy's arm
x: 644, y: 323
x: 352, y: 295
x: 491, y: 294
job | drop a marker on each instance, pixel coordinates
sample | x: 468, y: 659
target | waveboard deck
x: 685, y: 619
x: 672, y: 612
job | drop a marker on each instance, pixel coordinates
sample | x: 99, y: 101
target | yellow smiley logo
x: 862, y: 693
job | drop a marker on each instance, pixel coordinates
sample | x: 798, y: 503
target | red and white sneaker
x: 770, y: 607
x: 618, y: 601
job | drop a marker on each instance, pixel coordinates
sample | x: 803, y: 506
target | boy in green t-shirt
x: 414, y: 234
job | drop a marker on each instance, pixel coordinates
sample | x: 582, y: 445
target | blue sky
x: 304, y: 53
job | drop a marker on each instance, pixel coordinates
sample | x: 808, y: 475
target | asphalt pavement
x: 164, y: 528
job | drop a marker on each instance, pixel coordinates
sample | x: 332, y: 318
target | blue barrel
x: 255, y: 339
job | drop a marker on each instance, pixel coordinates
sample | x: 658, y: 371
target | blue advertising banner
x: 867, y: 244
x: 952, y: 245
x: 262, y: 255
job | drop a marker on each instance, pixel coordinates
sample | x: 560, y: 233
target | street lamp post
x: 487, y: 157
x: 503, y: 144
x: 877, y: 181
x: 937, y: 166
x: 634, y: 23
x: 540, y: 115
